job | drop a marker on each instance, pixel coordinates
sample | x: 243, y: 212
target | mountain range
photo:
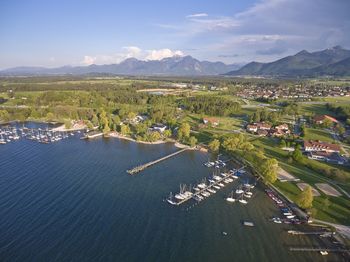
x: 333, y: 61
x: 177, y: 65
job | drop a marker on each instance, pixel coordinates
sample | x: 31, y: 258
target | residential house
x: 320, y: 119
x: 319, y: 146
x: 158, y: 127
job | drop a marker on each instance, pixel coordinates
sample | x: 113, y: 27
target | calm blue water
x: 73, y: 201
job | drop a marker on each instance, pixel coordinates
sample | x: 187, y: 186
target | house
x: 263, y: 126
x: 319, y: 146
x: 279, y: 132
x: 327, y: 157
x: 319, y: 119
x: 212, y: 121
x: 252, y: 128
x: 262, y: 132
x: 283, y: 127
x: 158, y: 127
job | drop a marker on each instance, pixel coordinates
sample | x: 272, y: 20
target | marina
x: 10, y: 134
x: 204, y: 190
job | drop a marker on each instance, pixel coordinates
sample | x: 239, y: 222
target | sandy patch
x: 327, y: 189
x: 284, y: 176
x: 302, y: 187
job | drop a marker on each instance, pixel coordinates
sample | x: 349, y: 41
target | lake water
x: 73, y: 201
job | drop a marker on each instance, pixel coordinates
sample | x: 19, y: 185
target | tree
x: 269, y: 170
x: 192, y: 141
x: 283, y: 143
x: 327, y: 123
x: 297, y: 154
x: 4, y: 116
x: 94, y: 120
x: 124, y: 130
x: 50, y: 116
x: 184, y: 131
x: 214, y: 145
x: 167, y: 133
x: 305, y: 198
x: 340, y: 129
x: 68, y: 124
x: 131, y: 115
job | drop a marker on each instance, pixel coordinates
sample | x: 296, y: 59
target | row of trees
x: 211, y: 105
x: 238, y: 144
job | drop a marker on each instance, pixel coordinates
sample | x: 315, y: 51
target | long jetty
x: 138, y: 169
x: 310, y: 249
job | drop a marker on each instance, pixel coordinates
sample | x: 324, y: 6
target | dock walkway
x: 138, y: 169
x: 209, y: 186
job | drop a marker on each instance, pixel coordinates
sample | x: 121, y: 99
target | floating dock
x: 138, y: 169
x: 229, y: 175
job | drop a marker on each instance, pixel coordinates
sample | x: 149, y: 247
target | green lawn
x: 338, y: 208
x: 318, y: 134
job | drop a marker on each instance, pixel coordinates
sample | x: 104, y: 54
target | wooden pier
x: 322, y: 233
x: 138, y: 169
x: 317, y: 249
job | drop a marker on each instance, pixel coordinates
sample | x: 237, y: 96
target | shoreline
x: 159, y: 142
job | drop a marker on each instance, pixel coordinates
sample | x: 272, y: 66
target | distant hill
x: 179, y: 66
x: 333, y: 61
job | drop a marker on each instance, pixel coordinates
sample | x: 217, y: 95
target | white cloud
x: 88, y: 60
x: 131, y: 52
x: 162, y: 53
x: 197, y: 15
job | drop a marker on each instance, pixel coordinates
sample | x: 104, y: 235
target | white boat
x: 243, y: 201
x: 247, y: 196
x: 196, y: 189
x: 211, y: 190
x: 216, y: 187
x: 170, y: 199
x: 205, y: 194
x: 323, y: 252
x: 239, y: 191
x: 180, y: 196
x: 217, y: 178
x: 202, y: 185
x: 221, y: 184
x: 248, y: 193
x: 211, y: 181
x: 230, y: 198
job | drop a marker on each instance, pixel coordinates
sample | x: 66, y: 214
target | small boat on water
x: 242, y: 200
x: 230, y: 198
x: 216, y: 187
x: 221, y: 184
x: 170, y: 199
x: 196, y: 189
x: 323, y: 252
x: 224, y: 233
x: 248, y: 223
x: 239, y: 190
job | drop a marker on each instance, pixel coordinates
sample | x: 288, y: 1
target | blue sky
x: 76, y: 32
